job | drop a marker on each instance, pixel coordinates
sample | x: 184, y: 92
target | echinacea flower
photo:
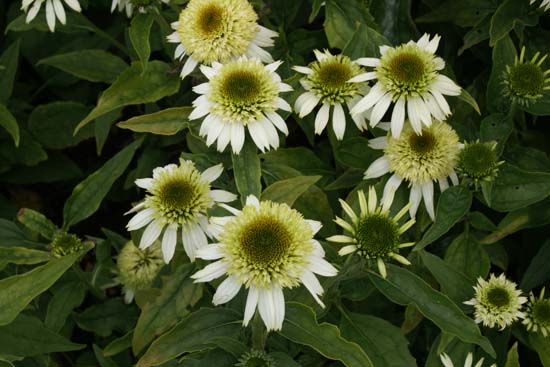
x: 211, y: 31
x: 241, y: 95
x: 478, y: 161
x: 265, y: 247
x: 328, y: 82
x: 537, y: 314
x: 129, y: 5
x: 407, y: 76
x: 497, y: 302
x: 54, y: 9
x: 420, y: 160
x: 526, y: 80
x: 374, y: 233
x: 447, y: 362
x: 137, y: 268
x: 179, y: 198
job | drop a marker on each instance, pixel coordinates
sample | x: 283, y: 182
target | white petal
x: 414, y: 197
x: 258, y: 135
x: 278, y: 121
x: 59, y: 11
x: 188, y: 67
x: 237, y: 137
x: 378, y: 168
x: 347, y: 250
x: 212, y: 173
x: 305, y: 103
x: 169, y: 240
x: 379, y: 109
x: 338, y: 121
x: 312, y: 284
x: 208, y: 71
x: 368, y: 61
x: 321, y: 119
x: 398, y: 118
x: 428, y: 195
x: 253, y: 200
x: 315, y: 225
x: 226, y: 291
x: 210, y: 252
x: 144, y: 183
x: 224, y: 138
x: 251, y: 303
x: 302, y: 69
x: 369, y: 100
x: 210, y: 272
x: 151, y: 233
x: 141, y: 219
x: 33, y: 11
x: 322, y: 267
x: 203, y: 88
x: 50, y: 15
x: 223, y: 196
x: 391, y: 185
x: 378, y: 143
x: 363, y: 77
x: 74, y: 4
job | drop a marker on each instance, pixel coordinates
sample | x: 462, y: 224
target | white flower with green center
x: 211, y: 31
x: 374, y: 234
x: 478, y: 161
x: 408, y: 76
x: 241, y: 95
x: 327, y: 82
x: 129, y: 5
x: 264, y: 247
x: 420, y: 160
x: 179, y: 197
x: 137, y: 268
x: 537, y: 314
x: 497, y: 302
x: 447, y: 362
x: 54, y: 9
x: 526, y: 80
x: 545, y: 4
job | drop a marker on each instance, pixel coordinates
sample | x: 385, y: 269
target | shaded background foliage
x: 68, y: 312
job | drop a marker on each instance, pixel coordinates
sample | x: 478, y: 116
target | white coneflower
x: 447, y: 362
x: 545, y: 4
x: 478, y: 162
x: 537, y: 314
x: 266, y: 247
x: 241, y: 95
x: 129, y: 5
x: 54, y: 9
x: 374, y: 233
x: 497, y: 302
x: 327, y: 82
x: 211, y: 31
x: 179, y: 197
x: 526, y: 80
x: 420, y: 160
x: 137, y: 268
x: 408, y: 76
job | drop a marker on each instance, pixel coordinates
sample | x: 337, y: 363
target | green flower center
x: 64, y: 244
x: 210, y: 19
x: 377, y: 235
x: 541, y: 312
x: 255, y: 358
x: 526, y: 80
x: 407, y: 68
x: 265, y: 241
x: 177, y: 194
x: 498, y: 297
x: 477, y: 160
x: 422, y: 144
x: 241, y: 86
x: 334, y: 75
x: 255, y: 362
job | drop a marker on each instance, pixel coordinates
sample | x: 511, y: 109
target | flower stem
x: 259, y: 333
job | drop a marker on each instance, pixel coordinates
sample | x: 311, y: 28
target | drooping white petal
x: 321, y: 119
x: 338, y: 121
x: 253, y: 200
x: 223, y: 196
x: 320, y: 266
x: 398, y: 118
x: 379, y: 109
x: 315, y: 225
x: 210, y: 272
x: 212, y: 173
x: 210, y: 252
x: 251, y: 303
x: 141, y: 219
x: 368, y: 61
x: 226, y: 291
x: 428, y: 195
x: 188, y: 67
x: 305, y: 103
x: 310, y: 281
x: 278, y: 121
x: 414, y: 197
x: 369, y: 100
x: 377, y: 143
x: 144, y: 183
x: 378, y: 168
x: 169, y: 240
x: 151, y: 233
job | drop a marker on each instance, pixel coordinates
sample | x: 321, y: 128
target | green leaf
x: 512, y: 358
x: 66, y: 298
x: 135, y: 86
x: 504, y: 53
x: 403, y: 287
x: 466, y: 13
x: 453, y: 204
x: 505, y: 18
x: 27, y: 336
x: 194, y: 333
x: 356, y: 153
x: 465, y: 96
x: 119, y: 345
x: 341, y: 21
x: 104, y: 318
x: 542, y: 345
x: 383, y: 342
x: 541, y: 107
x: 23, y: 255
x: 53, y: 124
x: 139, y: 32
x: 247, y: 171
x: 466, y: 255
x: 12, y: 235
x: 88, y: 195
x: 102, y: 359
x: 287, y: 191
x: 453, y: 283
x: 177, y: 295
x: 17, y: 291
x: 496, y: 127
x: 165, y: 122
x: 91, y: 65
x: 538, y: 272
x: 365, y: 42
x: 37, y: 222
x: 9, y: 60
x: 8, y: 122
x: 301, y: 159
x: 300, y: 326
x: 515, y: 188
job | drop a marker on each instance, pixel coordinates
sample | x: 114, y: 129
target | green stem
x: 259, y: 333
x: 164, y: 25
x: 80, y: 274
